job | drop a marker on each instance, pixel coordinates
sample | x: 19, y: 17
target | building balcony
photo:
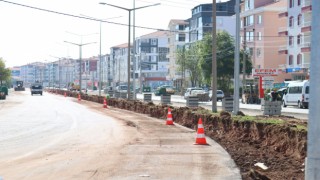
x: 305, y: 65
x: 306, y: 6
x: 283, y: 50
x: 283, y: 14
x: 306, y: 27
x: 305, y: 47
x: 283, y: 31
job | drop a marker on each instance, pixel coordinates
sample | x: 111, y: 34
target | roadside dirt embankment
x: 278, y: 142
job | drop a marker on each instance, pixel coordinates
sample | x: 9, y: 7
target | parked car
x: 297, y: 94
x: 164, y: 90
x: 189, y: 91
x: 122, y: 89
x: 201, y: 94
x: 220, y: 95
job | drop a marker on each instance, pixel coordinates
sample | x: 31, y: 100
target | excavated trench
x: 281, y: 147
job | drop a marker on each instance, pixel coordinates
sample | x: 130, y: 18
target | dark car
x: 164, y: 90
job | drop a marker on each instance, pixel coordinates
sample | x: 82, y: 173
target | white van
x: 297, y: 94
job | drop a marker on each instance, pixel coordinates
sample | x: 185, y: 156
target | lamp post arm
x: 145, y: 6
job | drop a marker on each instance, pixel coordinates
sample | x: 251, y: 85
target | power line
x: 121, y: 24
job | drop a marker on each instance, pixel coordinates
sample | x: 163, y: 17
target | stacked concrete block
x: 192, y: 101
x: 227, y: 104
x: 165, y: 99
x: 147, y: 97
x: 271, y: 107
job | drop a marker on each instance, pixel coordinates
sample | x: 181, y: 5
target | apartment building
x: 178, y: 36
x: 152, y: 59
x: 200, y: 22
x: 298, y: 33
x: 106, y: 70
x: 32, y: 72
x: 259, y: 28
x: 119, y: 62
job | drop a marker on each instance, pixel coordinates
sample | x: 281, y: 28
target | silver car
x: 220, y: 95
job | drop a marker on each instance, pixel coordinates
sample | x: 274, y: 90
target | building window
x: 250, y: 51
x: 153, y: 50
x: 259, y: 34
x: 299, y: 59
x: 299, y: 2
x: 249, y: 36
x: 291, y: 40
x: 299, y: 39
x: 153, y: 41
x: 249, y: 20
x: 290, y: 59
x: 258, y: 52
x: 291, y: 3
x: 299, y: 19
x: 259, y: 19
x: 199, y: 22
x: 291, y: 21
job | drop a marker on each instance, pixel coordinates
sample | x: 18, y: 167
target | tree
x: 5, y: 73
x: 188, y: 60
x: 225, y: 60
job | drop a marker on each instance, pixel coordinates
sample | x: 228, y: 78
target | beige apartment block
x: 178, y: 36
x: 260, y: 25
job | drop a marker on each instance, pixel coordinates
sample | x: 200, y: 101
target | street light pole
x: 100, y: 56
x: 313, y: 151
x: 129, y: 28
x: 236, y: 61
x: 134, y: 51
x: 80, y: 58
x: 214, y: 58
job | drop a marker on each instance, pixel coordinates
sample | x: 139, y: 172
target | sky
x: 29, y: 35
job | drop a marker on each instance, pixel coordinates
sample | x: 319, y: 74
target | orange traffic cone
x: 79, y: 97
x: 201, y: 139
x: 105, y: 103
x: 169, y: 118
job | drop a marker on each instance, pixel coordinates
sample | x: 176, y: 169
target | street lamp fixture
x: 129, y: 38
x: 80, y: 56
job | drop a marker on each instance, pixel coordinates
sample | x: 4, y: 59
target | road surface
x: 53, y: 137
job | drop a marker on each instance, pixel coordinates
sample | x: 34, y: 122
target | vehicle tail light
x: 302, y: 97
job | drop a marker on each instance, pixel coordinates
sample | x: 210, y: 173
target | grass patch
x: 301, y: 128
x: 255, y: 119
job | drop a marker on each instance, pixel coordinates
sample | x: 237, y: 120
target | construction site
x: 263, y: 147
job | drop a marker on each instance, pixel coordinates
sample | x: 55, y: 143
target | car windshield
x: 36, y: 87
x: 197, y: 91
x: 123, y: 87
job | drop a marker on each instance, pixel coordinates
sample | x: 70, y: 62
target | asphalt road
x: 56, y: 137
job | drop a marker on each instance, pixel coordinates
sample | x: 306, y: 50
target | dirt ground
x: 280, y: 147
x: 286, y: 162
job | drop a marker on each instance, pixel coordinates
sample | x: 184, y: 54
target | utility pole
x: 214, y: 57
x: 100, y: 56
x: 313, y: 150
x: 134, y: 51
x: 80, y: 59
x: 236, y: 61
x: 244, y: 84
x: 129, y: 37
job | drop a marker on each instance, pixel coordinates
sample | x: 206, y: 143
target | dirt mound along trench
x: 280, y: 146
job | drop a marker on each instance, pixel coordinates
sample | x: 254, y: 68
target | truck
x: 3, y: 92
x: 19, y: 86
x: 36, y: 88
